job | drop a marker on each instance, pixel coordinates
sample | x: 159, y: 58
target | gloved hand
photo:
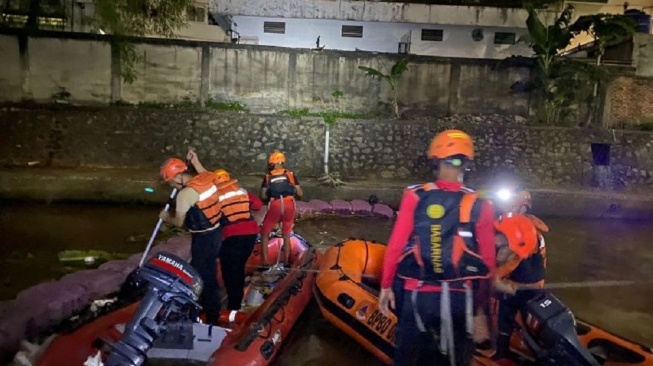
x: 504, y: 286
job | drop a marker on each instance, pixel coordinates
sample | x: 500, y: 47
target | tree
x: 330, y: 119
x: 392, y: 78
x: 562, y: 81
x: 137, y: 18
x: 606, y: 29
x: 546, y: 42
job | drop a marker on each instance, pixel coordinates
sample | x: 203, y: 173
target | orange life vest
x: 531, y: 270
x: 234, y: 201
x: 280, y: 183
x: 207, y: 212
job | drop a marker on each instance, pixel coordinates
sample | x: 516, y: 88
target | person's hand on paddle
x: 504, y: 287
x: 191, y: 156
x: 386, y: 301
x: 164, y: 216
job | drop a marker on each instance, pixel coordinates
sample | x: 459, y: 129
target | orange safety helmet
x: 521, y: 234
x: 171, y: 168
x: 221, y: 176
x: 451, y: 143
x: 277, y: 157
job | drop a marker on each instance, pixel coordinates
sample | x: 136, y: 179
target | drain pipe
x: 326, y: 150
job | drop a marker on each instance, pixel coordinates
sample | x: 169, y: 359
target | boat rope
x: 549, y: 286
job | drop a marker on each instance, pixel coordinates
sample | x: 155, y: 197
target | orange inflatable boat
x: 155, y: 328
x: 346, y: 291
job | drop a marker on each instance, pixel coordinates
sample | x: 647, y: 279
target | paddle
x: 173, y: 194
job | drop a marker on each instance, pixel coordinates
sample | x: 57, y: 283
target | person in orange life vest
x: 521, y: 260
x: 239, y: 231
x: 441, y: 246
x: 198, y: 208
x: 514, y: 199
x: 279, y: 188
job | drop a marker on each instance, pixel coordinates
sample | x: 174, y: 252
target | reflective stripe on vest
x: 280, y: 183
x: 208, y: 211
x: 235, y: 202
x: 442, y: 245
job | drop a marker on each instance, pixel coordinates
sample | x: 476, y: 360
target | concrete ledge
x: 128, y: 186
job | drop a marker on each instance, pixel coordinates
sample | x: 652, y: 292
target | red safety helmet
x: 171, y: 168
x: 520, y: 232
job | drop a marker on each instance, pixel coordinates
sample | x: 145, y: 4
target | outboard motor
x: 172, y: 285
x: 550, y: 331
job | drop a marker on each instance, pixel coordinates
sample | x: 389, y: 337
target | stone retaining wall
x: 359, y: 149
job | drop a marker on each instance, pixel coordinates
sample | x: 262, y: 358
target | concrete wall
x: 382, y: 37
x: 360, y: 149
x: 265, y: 79
x: 643, y: 54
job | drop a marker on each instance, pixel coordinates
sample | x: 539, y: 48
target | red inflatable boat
x: 159, y: 325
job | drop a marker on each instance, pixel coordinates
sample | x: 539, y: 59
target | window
x: 274, y: 27
x: 434, y: 35
x: 504, y: 38
x: 196, y: 14
x: 354, y: 31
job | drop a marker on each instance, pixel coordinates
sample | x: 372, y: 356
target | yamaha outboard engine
x: 172, y: 285
x: 551, y: 333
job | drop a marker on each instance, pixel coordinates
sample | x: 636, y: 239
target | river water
x: 578, y: 250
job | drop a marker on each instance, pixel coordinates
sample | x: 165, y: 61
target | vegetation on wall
x: 120, y: 18
x: 124, y: 18
x: 565, y: 84
x: 392, y: 77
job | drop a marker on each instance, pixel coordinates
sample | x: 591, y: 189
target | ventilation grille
x: 504, y: 38
x: 274, y: 27
x: 434, y: 35
x: 355, y: 31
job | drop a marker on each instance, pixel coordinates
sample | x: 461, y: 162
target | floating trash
x: 149, y: 189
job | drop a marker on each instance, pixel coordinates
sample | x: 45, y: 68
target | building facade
x: 421, y: 29
x: 73, y: 15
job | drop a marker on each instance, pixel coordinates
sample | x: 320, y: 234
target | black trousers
x: 233, y: 256
x: 414, y: 347
x: 204, y: 249
x: 509, y: 305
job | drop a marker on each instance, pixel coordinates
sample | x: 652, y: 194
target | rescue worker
x: 521, y: 261
x: 441, y: 246
x: 279, y: 188
x: 239, y: 231
x: 198, y: 208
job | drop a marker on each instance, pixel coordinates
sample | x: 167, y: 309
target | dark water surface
x: 31, y: 235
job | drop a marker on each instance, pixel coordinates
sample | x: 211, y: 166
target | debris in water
x: 149, y: 189
x: 89, y: 257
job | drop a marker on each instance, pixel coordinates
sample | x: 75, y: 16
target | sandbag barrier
x: 319, y: 208
x: 76, y: 299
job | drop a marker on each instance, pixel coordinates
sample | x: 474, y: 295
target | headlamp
x: 504, y: 194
